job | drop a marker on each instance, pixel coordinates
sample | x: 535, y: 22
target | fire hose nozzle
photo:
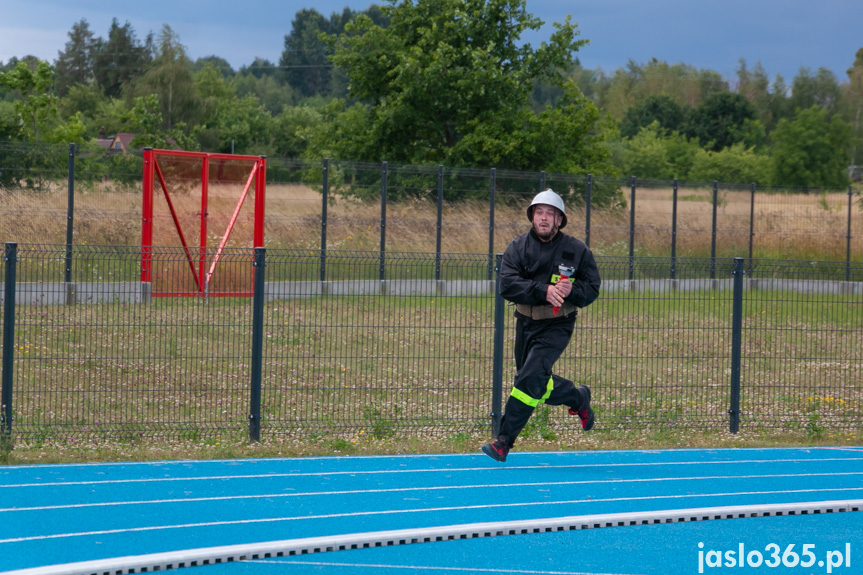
x: 565, y: 273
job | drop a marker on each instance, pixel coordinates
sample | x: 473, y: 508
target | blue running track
x: 624, y: 512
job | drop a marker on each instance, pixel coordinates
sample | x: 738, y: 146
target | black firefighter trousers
x: 538, y: 345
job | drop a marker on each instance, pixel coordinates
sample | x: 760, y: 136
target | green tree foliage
x: 10, y: 123
x: 770, y: 103
x: 274, y: 96
x: 120, y: 58
x: 655, y: 154
x: 449, y: 82
x: 75, y: 64
x: 85, y: 100
x: 820, y: 89
x: 170, y: 77
x: 811, y: 150
x: 736, y: 163
x: 305, y: 60
x: 721, y: 121
x: 243, y: 125
x: 214, y: 62
x: 259, y: 68
x: 686, y: 85
x: 37, y: 105
x: 293, y: 128
x: 667, y: 113
x: 211, y: 88
x: 852, y: 108
x: 145, y: 120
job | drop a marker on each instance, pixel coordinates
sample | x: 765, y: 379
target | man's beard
x: 547, y: 236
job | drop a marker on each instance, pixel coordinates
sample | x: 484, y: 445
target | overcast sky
x: 782, y: 35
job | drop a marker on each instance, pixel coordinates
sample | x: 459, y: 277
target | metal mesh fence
x: 369, y: 206
x: 410, y: 353
x: 365, y: 343
x: 100, y: 358
x: 802, y: 341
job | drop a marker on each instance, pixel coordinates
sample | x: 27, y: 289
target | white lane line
x: 409, y: 511
x: 426, y: 488
x: 436, y: 569
x: 405, y: 471
x: 365, y: 540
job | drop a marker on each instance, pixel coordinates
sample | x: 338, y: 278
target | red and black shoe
x: 585, y: 412
x: 497, y: 450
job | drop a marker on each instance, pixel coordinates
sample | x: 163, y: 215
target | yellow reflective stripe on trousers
x: 533, y: 402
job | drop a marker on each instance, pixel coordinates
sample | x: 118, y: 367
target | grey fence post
x: 848, y: 238
x: 587, y: 199
x: 70, y: 214
x: 751, y: 225
x: 674, y: 229
x: 324, y: 191
x: 491, y: 223
x: 10, y: 263
x: 542, y: 181
x: 736, y: 343
x: 632, y: 229
x: 439, y: 223
x: 713, y: 232
x: 497, y: 358
x: 257, y: 345
x: 383, y: 271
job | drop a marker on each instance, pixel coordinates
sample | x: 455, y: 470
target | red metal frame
x: 153, y: 172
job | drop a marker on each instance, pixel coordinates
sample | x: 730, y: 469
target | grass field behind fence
x: 793, y: 225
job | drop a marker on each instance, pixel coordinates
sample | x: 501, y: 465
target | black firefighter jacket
x: 529, y: 265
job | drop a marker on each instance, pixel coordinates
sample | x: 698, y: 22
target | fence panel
x: 656, y: 351
x: 354, y: 357
x: 371, y: 358
x: 99, y: 359
x: 802, y: 365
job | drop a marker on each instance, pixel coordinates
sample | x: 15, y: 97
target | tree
x: 720, y: 121
x: 259, y: 68
x: 820, y: 89
x: 272, y: 95
x: 37, y: 107
x: 10, y: 123
x: 293, y: 128
x: 656, y: 154
x: 755, y: 87
x: 85, y: 100
x: 448, y: 81
x: 736, y: 163
x: 305, y: 60
x: 31, y: 61
x: 685, y: 84
x: 243, y: 126
x: 811, y: 150
x: 120, y: 59
x: 145, y: 120
x: 645, y: 154
x: 216, y: 62
x: 660, y: 109
x: 170, y: 76
x: 852, y: 104
x: 75, y: 64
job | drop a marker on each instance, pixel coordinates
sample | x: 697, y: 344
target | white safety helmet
x: 549, y: 198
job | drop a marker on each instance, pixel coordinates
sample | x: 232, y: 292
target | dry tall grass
x: 785, y: 226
